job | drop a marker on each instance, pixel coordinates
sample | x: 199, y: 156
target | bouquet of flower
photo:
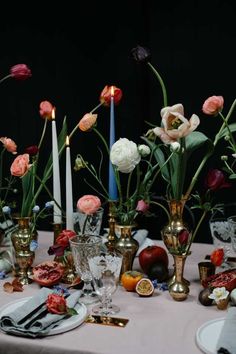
x: 176, y: 138
x: 134, y: 166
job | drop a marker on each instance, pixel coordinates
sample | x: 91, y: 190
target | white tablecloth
x: 157, y: 324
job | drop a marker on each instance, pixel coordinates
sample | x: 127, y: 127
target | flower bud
x: 224, y: 158
x: 175, y: 146
x: 144, y: 150
x: 140, y: 54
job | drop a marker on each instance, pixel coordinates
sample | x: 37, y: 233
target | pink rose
x: 20, y: 72
x: 142, y: 206
x: 56, y: 304
x: 45, y: 110
x: 9, y: 145
x: 63, y: 238
x: 88, y: 204
x: 213, y: 105
x: 87, y: 122
x: 20, y: 165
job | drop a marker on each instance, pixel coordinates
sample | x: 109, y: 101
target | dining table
x: 157, y: 324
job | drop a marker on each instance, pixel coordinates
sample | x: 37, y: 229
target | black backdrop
x: 77, y: 49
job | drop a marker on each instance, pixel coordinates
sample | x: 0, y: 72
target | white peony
x: 124, y: 155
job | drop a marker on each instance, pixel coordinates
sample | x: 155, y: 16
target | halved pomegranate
x: 48, y: 273
x: 226, y: 279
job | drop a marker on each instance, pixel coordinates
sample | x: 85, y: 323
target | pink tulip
x: 45, y: 110
x: 142, y: 206
x: 20, y: 72
x: 87, y: 122
x: 9, y: 145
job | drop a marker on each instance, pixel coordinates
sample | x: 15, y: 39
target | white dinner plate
x: 208, y: 334
x: 64, y: 326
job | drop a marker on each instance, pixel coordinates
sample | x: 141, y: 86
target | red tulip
x: 105, y: 97
x: 20, y: 72
x: 215, y: 180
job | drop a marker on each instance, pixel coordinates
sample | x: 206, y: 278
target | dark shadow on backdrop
x: 75, y: 53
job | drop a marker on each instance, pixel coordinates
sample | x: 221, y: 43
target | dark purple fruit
x: 158, y: 271
x: 203, y: 297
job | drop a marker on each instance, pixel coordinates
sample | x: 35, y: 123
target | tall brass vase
x: 21, y: 238
x: 179, y: 289
x: 127, y: 246
x: 177, y: 247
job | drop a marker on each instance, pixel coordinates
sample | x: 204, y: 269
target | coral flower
x: 20, y: 72
x: 87, y: 122
x: 9, y: 145
x: 45, y: 110
x: 20, y: 165
x: 89, y: 204
x: 105, y: 97
x: 213, y: 105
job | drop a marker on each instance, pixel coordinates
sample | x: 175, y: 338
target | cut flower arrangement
x: 175, y: 133
x: 135, y: 169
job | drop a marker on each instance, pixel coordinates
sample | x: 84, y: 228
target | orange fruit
x: 130, y: 279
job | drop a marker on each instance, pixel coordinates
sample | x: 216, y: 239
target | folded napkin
x: 227, y: 340
x: 32, y: 319
x: 140, y: 236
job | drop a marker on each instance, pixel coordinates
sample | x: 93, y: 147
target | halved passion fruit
x: 144, y: 287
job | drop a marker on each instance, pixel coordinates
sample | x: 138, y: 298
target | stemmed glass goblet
x: 232, y: 231
x: 105, y: 269
x: 83, y: 247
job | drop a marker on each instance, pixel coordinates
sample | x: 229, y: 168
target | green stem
x: 5, y: 78
x: 196, y: 230
x: 85, y: 222
x: 43, y: 133
x: 162, y: 206
x: 232, y: 141
x: 164, y: 93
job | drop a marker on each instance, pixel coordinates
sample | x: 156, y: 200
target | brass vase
x: 176, y: 244
x: 179, y: 289
x: 127, y: 246
x: 21, y: 238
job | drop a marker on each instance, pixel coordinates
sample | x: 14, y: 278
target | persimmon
x: 129, y: 279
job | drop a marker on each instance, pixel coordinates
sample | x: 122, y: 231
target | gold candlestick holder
x: 111, y: 238
x: 57, y: 229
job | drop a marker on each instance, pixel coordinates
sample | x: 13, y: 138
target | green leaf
x: 195, y: 140
x: 71, y: 311
x: 225, y: 131
x: 233, y: 176
x: 160, y: 158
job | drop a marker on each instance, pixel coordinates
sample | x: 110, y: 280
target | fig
x: 203, y: 297
x: 158, y: 271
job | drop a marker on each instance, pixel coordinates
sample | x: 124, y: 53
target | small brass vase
x: 21, y: 238
x: 179, y: 289
x: 127, y: 246
x: 111, y: 238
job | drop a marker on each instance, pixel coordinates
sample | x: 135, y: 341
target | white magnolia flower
x: 124, y: 155
x: 144, y: 150
x: 219, y: 294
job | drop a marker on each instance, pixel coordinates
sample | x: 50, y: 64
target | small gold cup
x: 205, y: 270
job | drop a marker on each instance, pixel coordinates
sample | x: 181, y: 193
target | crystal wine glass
x: 232, y: 230
x: 83, y: 247
x: 105, y: 269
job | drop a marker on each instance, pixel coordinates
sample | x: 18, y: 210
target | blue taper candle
x: 112, y: 179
